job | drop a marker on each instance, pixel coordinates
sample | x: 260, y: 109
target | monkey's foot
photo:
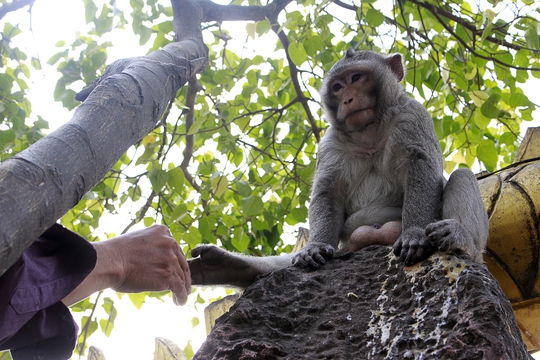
x: 450, y: 235
x: 372, y: 235
x: 214, y: 266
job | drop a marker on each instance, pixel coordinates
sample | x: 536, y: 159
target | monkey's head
x: 359, y: 87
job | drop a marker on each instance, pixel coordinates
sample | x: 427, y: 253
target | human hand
x: 148, y: 260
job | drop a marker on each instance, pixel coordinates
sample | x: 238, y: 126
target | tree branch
x: 437, y: 11
x: 142, y: 213
x: 219, y: 13
x: 294, y: 77
x: 474, y: 52
x: 41, y: 183
x: 192, y: 89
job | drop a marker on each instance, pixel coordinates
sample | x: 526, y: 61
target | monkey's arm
x: 423, y: 184
x: 326, y: 215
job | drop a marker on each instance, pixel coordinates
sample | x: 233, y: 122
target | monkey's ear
x: 350, y: 53
x: 395, y: 62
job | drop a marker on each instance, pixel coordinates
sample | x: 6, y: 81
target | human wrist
x: 110, y: 264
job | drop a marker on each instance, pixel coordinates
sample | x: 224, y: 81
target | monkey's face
x: 350, y: 97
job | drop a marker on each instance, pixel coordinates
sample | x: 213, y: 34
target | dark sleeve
x: 34, y: 323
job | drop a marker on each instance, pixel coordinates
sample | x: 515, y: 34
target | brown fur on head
x: 359, y: 86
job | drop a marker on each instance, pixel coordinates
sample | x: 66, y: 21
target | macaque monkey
x: 379, y: 180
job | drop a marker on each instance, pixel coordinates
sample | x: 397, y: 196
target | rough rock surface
x: 367, y: 305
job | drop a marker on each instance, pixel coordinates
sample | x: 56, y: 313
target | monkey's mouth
x: 361, y: 112
x: 359, y: 119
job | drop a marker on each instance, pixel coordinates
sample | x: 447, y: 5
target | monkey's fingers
x: 397, y: 247
x: 315, y: 264
x: 199, y: 250
x: 418, y: 251
x: 299, y: 261
x: 306, y: 260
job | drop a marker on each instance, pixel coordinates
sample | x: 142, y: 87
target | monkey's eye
x: 356, y: 77
x: 336, y: 87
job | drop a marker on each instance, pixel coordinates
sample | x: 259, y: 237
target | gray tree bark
x: 40, y: 184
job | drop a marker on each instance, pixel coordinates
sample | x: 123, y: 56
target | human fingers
x: 184, y: 267
x: 178, y: 288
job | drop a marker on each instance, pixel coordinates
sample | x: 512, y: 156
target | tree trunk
x: 368, y: 305
x: 40, y: 184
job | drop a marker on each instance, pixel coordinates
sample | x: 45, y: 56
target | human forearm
x: 144, y: 260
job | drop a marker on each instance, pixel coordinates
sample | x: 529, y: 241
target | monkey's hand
x: 413, y: 246
x: 314, y: 255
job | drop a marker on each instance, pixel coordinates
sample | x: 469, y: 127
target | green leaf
x: 158, y: 178
x: 145, y: 34
x: 207, y: 226
x: 176, y: 179
x: 179, y: 212
x: 188, y: 350
x: 252, y: 205
x: 54, y: 59
x: 263, y: 26
x: 312, y: 44
x: 518, y: 99
x: 196, y: 125
x: 243, y: 188
x: 7, y: 137
x: 251, y: 29
x: 374, y: 17
x: 219, y: 184
x: 489, y: 108
x: 148, y: 221
x: 200, y: 300
x: 299, y: 214
x: 240, y: 240
x: 137, y: 299
x: 90, y: 11
x: 90, y: 326
x: 531, y: 37
x: 478, y: 97
x: 193, y: 237
x: 297, y: 53
x: 107, y: 325
x: 487, y: 153
x: 480, y: 120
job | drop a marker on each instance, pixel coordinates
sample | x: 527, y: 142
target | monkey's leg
x: 370, y: 235
x: 214, y: 266
x: 465, y: 221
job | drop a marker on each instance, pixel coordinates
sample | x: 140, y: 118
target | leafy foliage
x: 236, y: 171
x: 16, y: 133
